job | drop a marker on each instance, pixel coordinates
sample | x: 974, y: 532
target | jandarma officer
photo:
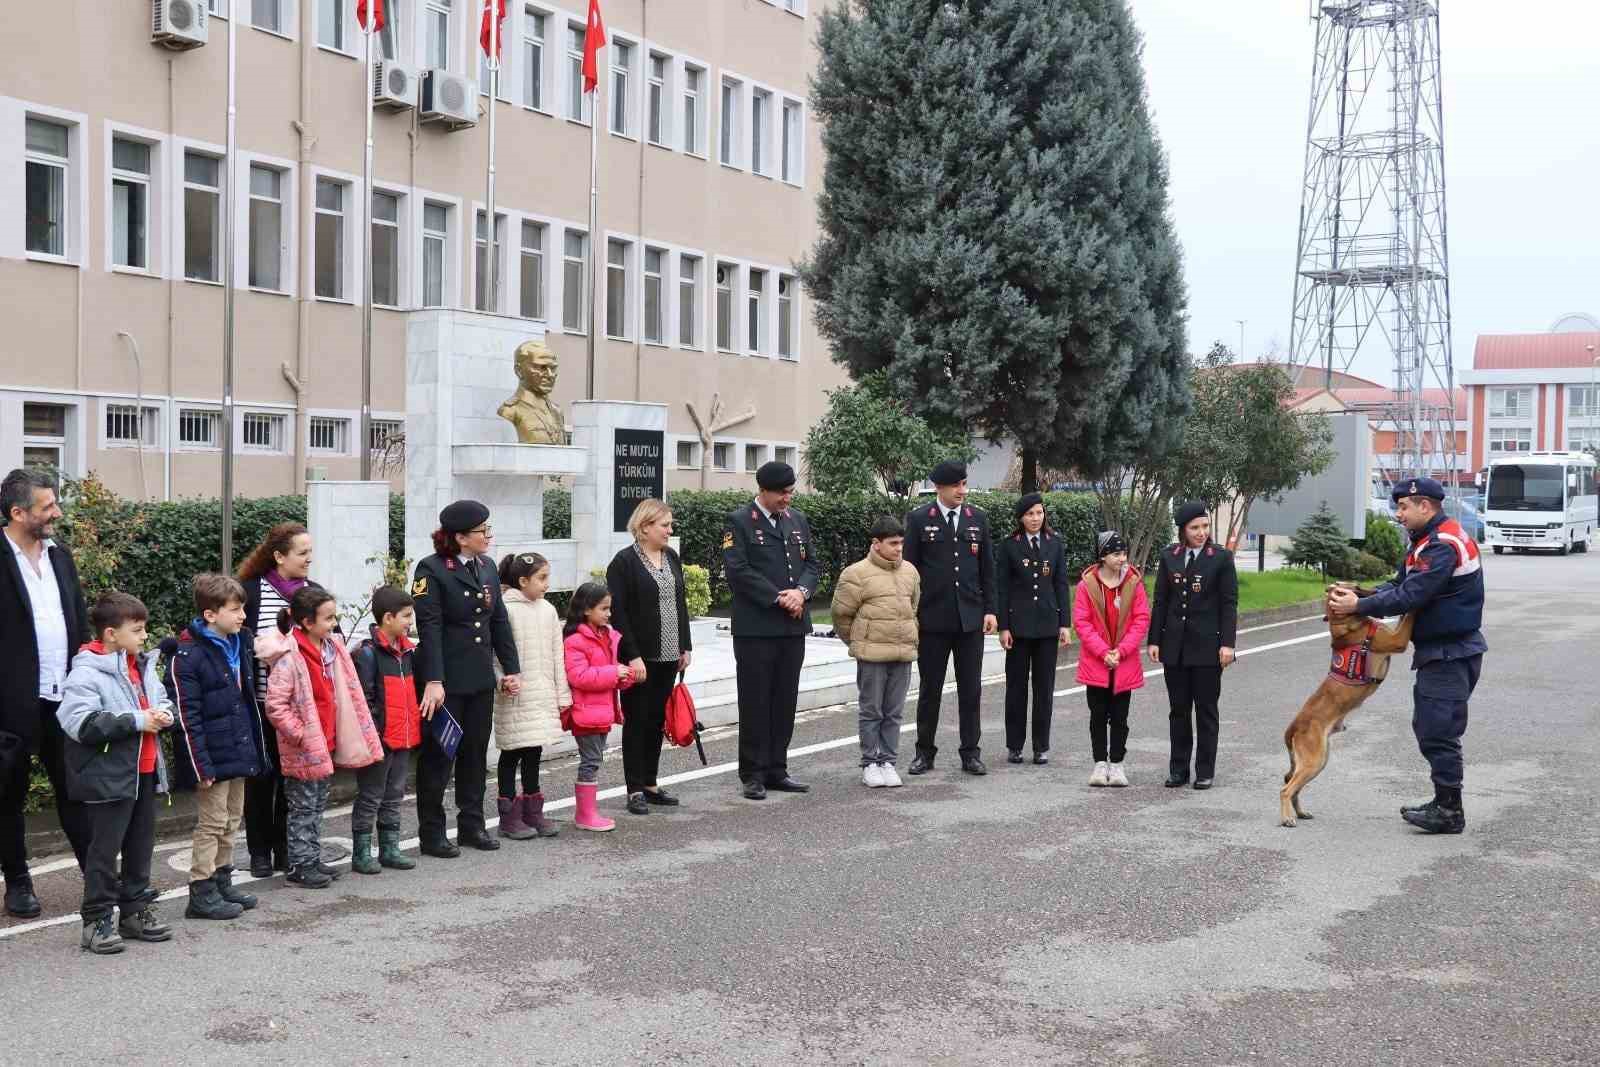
x: 770, y: 565
x: 1440, y: 580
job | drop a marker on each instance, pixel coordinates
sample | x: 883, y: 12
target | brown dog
x: 1361, y: 651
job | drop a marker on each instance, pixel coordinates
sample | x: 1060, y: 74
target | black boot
x: 1442, y: 815
x: 20, y: 899
x: 205, y: 902
x: 309, y: 877
x: 261, y: 865
x: 224, y: 880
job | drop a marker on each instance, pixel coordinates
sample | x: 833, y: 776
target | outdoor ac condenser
x: 178, y: 24
x: 449, y: 100
x: 394, y: 86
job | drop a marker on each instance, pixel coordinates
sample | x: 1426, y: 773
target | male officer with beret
x: 948, y: 542
x: 1192, y: 630
x: 771, y: 567
x: 1441, y: 580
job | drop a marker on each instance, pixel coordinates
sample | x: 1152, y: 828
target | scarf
x: 321, y: 683
x: 286, y: 587
x: 230, y: 645
x: 147, y: 741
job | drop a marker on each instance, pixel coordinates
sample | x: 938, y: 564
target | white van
x: 1541, y: 500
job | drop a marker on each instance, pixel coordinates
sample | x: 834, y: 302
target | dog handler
x: 1442, y: 582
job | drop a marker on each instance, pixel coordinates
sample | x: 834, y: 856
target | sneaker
x: 891, y: 777
x: 144, y: 925
x: 1101, y: 769
x: 101, y: 937
x: 872, y: 776
x: 1115, y: 776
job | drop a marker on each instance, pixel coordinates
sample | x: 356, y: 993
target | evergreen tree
x: 994, y: 222
x: 869, y: 440
x: 1319, y: 543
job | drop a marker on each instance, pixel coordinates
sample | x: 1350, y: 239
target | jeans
x: 379, y: 789
x: 128, y: 827
x: 307, y: 801
x: 221, y: 807
x: 1108, y: 713
x: 528, y: 759
x: 591, y: 750
x: 882, y: 688
x: 644, y: 714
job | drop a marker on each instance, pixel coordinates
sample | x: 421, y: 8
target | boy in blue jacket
x: 222, y: 738
x: 112, y: 707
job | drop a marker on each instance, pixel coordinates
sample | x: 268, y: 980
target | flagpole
x: 594, y: 231
x: 491, y: 268
x: 229, y: 237
x: 365, y: 442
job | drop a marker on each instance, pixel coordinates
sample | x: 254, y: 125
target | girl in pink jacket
x: 595, y: 675
x: 1112, y: 616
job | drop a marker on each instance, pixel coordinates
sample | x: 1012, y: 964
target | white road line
x: 712, y: 771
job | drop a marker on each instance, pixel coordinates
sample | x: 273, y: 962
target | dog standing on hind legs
x: 1361, y: 651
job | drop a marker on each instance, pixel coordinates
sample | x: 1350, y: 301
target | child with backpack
x: 1112, y: 617
x: 383, y: 663
x: 595, y: 675
x: 528, y: 720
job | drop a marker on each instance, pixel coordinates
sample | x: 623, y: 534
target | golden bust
x: 537, y: 418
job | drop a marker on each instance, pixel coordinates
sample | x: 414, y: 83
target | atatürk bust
x: 537, y: 418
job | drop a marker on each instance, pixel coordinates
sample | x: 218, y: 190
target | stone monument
x: 536, y: 417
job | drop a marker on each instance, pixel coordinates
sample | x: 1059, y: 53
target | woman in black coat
x: 650, y: 611
x: 1035, y: 622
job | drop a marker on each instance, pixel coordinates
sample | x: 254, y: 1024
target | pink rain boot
x: 588, y: 816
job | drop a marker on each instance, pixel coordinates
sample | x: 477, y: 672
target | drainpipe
x: 644, y: 122
x: 172, y: 281
x: 302, y: 340
x: 138, y: 400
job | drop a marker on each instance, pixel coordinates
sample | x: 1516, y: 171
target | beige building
x: 112, y: 193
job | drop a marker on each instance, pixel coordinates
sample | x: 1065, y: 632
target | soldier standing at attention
x: 948, y: 542
x: 1442, y: 581
x: 1192, y: 633
x: 772, y: 570
x: 1035, y: 623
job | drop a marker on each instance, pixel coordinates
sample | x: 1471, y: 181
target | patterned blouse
x: 667, y: 599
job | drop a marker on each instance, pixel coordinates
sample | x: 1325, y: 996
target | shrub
x: 1359, y: 567
x: 697, y: 590
x: 1384, y: 539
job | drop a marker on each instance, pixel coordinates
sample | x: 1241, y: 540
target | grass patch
x: 1264, y: 590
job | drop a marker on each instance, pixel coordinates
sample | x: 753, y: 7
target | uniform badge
x: 450, y: 564
x: 488, y: 597
x: 1210, y: 551
x: 727, y: 540
x: 419, y: 587
x: 1045, y: 570
x: 1194, y: 586
x: 974, y: 548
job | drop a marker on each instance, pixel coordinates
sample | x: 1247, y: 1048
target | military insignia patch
x: 727, y: 540
x: 419, y: 587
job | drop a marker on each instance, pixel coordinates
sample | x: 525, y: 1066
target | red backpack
x: 682, y: 725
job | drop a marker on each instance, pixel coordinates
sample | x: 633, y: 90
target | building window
x: 127, y: 425
x: 791, y: 143
x: 729, y: 130
x: 784, y: 454
x: 330, y: 239
x: 621, y: 101
x: 533, y: 270
x: 656, y: 118
x: 753, y: 457
x: 44, y: 436
x: 327, y: 434
x: 725, y: 273
x: 1583, y: 439
x: 202, y: 217
x: 574, y: 306
x: 1581, y: 401
x: 617, y: 288
x: 390, y: 41
x: 482, y: 300
x: 436, y: 34
x: 533, y: 25
x: 435, y: 235
x: 266, y: 228
x: 1510, y: 439
x: 689, y: 301
x: 756, y: 309
x: 330, y: 24
x: 579, y: 103
x: 45, y: 211
x: 198, y: 428
x: 760, y: 118
x: 130, y: 203
x: 687, y: 454
x: 385, y: 249
x: 653, y: 329
x: 1510, y: 403
x: 693, y: 111
x: 267, y: 15
x: 263, y: 432
x: 785, y: 316
x: 382, y: 434
x: 722, y: 455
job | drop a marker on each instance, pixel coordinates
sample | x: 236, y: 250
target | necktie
x: 950, y: 521
x: 1189, y: 561
x: 1033, y: 544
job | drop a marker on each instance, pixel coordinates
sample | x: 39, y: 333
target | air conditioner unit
x: 448, y: 99
x: 316, y: 474
x: 178, y: 24
x: 394, y: 87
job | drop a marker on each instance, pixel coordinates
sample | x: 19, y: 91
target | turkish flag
x: 377, y: 13
x: 594, y: 39
x: 500, y: 31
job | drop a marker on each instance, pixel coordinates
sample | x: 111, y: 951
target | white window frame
x: 1520, y: 435
x: 660, y: 277
x: 786, y: 453
x: 540, y: 252
x: 149, y: 423
x: 628, y: 269
x: 694, y: 300
x: 695, y: 451
x: 761, y: 140
x: 282, y: 422
x: 510, y: 53
x: 540, y: 69
x: 730, y: 270
x: 350, y: 220
x: 760, y: 322
x: 480, y: 239
x: 451, y: 280
x: 395, y: 32
x: 1502, y: 393
x: 572, y: 77
x: 288, y: 247
x: 731, y: 93
x: 346, y: 426
x: 211, y: 412
x: 625, y: 93
x: 659, y: 98
x: 182, y: 149
x: 401, y: 243
x: 426, y: 10
x: 154, y: 198
x: 1588, y: 408
x: 288, y: 18
x: 732, y: 447
x: 70, y: 444
x: 74, y: 184
x: 388, y: 423
x: 348, y: 29
x: 585, y: 306
x: 755, y: 454
x: 693, y: 142
x: 791, y: 154
x: 786, y: 303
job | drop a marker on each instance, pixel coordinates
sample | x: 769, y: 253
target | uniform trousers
x: 127, y: 827
x: 14, y: 795
x: 1035, y: 656
x: 934, y: 650
x: 1439, y: 715
x: 475, y: 713
x: 1193, y: 690
x: 266, y: 808
x: 768, y: 674
x: 644, y: 715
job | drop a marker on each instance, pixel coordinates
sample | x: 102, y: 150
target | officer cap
x: 775, y: 477
x: 1028, y: 500
x: 1427, y: 487
x: 1188, y: 512
x: 950, y: 472
x: 462, y: 516
x: 1107, y: 542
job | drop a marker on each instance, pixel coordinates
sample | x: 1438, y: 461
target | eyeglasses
x: 484, y: 529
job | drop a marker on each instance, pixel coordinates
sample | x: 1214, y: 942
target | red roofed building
x: 1533, y: 392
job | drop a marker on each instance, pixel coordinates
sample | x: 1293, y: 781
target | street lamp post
x: 1589, y: 409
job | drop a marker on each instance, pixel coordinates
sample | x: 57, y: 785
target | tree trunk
x: 1030, y: 471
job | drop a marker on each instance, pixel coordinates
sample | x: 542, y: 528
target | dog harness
x: 1352, y: 664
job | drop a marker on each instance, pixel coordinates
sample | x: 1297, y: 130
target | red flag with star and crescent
x: 594, y: 39
x: 376, y: 7
x: 499, y: 33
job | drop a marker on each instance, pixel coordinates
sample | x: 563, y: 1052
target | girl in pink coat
x: 595, y: 675
x: 1112, y: 616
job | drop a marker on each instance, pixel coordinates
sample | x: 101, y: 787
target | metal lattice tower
x: 1372, y: 268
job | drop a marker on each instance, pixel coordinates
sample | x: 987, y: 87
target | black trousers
x: 933, y: 655
x: 475, y: 713
x: 768, y: 673
x: 14, y: 796
x: 266, y: 807
x: 1196, y: 690
x: 1108, y: 714
x: 127, y: 827
x: 644, y: 714
x: 526, y: 758
x: 1035, y: 656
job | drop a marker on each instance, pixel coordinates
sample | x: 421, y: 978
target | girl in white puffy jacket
x: 525, y: 723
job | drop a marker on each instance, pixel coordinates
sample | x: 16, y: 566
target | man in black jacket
x: 771, y: 567
x: 43, y: 622
x: 948, y: 542
x: 1192, y: 630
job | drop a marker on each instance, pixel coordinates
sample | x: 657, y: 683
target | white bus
x: 1541, y: 500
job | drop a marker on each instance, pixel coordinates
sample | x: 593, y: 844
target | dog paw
x: 1304, y: 814
x: 1288, y: 823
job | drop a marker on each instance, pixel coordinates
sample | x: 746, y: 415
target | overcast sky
x: 1229, y: 86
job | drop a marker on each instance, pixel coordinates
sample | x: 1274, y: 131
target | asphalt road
x: 1021, y: 916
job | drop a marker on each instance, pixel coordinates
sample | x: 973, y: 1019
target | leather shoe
x: 1014, y: 755
x: 789, y: 785
x: 973, y: 765
x: 1175, y: 781
x: 755, y: 791
x: 444, y: 849
x: 661, y: 797
x: 1202, y: 783
x: 20, y: 899
x: 921, y: 764
x: 1041, y: 758
x: 261, y: 866
x: 481, y: 840
x: 637, y: 805
x: 1435, y: 818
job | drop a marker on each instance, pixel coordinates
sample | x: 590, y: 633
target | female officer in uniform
x: 462, y: 628
x: 1031, y: 588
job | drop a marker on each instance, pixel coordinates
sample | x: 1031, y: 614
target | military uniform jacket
x: 760, y: 562
x: 461, y: 625
x: 958, y: 583
x: 1197, y: 607
x: 1031, y: 587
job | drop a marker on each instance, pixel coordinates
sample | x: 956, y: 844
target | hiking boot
x: 261, y: 865
x: 533, y: 815
x: 144, y: 925
x: 361, y: 859
x: 206, y: 902
x: 224, y: 880
x: 310, y: 876
x: 511, y: 822
x: 100, y: 937
x: 389, y: 854
x: 1435, y: 818
x: 330, y: 873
